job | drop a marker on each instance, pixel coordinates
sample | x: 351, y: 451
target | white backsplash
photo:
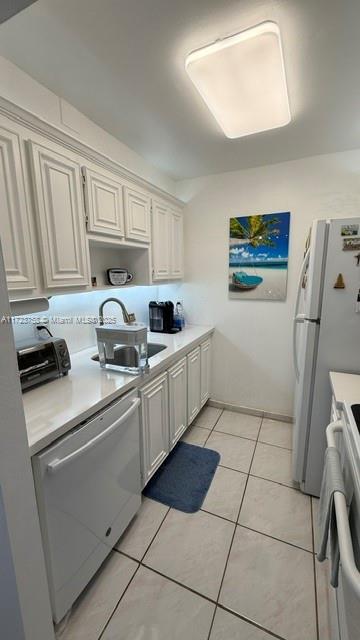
x: 64, y: 313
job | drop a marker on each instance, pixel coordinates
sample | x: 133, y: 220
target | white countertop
x: 54, y: 408
x: 345, y: 387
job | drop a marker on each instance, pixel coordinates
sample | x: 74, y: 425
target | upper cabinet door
x: 58, y: 198
x: 104, y: 203
x: 177, y: 244
x: 137, y: 215
x: 14, y: 216
x: 160, y: 241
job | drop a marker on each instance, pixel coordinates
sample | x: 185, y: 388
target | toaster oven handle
x: 58, y: 464
x: 34, y: 367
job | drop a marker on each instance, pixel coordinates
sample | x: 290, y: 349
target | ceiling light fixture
x: 242, y: 80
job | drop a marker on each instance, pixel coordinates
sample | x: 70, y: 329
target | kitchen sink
x: 128, y: 356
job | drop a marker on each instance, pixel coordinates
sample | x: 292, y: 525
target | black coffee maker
x: 161, y: 317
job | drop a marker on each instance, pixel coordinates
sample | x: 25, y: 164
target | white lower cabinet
x: 205, y: 357
x: 155, y: 425
x: 170, y: 403
x: 177, y: 401
x: 194, y: 384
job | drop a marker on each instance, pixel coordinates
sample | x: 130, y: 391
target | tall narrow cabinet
x: 14, y: 215
x: 60, y: 216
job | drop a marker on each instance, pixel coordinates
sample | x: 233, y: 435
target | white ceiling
x: 121, y: 62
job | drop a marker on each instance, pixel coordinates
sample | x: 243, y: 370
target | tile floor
x: 241, y: 568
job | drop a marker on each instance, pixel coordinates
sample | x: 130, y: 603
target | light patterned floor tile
x: 228, y: 627
x: 95, y: 606
x: 137, y: 537
x: 195, y: 435
x: 154, y: 608
x: 272, y: 463
x: 272, y: 583
x: 192, y: 549
x: 207, y: 417
x: 239, y: 424
x: 236, y: 453
x: 276, y: 433
x: 278, y: 511
x: 225, y: 493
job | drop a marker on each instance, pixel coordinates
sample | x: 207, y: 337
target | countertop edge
x: 352, y: 397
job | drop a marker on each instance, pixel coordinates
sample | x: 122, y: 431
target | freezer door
x: 88, y: 489
x: 306, y: 347
x: 310, y: 286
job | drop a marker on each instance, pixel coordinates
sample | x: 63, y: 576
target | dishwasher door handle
x: 59, y: 463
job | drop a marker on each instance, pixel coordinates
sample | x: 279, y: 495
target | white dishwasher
x: 88, y: 489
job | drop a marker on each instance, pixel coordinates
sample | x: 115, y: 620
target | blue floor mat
x: 183, y: 480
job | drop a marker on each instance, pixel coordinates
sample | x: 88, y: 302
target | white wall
x: 21, y: 89
x: 252, y: 364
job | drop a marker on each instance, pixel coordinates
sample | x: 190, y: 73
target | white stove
x: 348, y: 520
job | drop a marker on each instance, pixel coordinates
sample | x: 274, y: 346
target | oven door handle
x: 57, y: 464
x: 347, y: 558
x: 34, y: 367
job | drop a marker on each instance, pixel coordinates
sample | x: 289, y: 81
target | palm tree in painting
x: 257, y: 231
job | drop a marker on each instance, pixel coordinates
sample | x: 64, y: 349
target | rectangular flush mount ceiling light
x: 242, y: 80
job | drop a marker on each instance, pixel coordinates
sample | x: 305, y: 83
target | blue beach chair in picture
x: 242, y: 280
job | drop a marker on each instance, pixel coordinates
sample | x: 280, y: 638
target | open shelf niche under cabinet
x: 106, y: 255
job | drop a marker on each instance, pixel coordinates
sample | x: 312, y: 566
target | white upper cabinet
x: 205, y: 348
x: 14, y: 216
x: 103, y: 202
x: 167, y: 242
x: 177, y: 401
x: 176, y: 244
x: 160, y: 241
x: 61, y: 218
x: 137, y: 215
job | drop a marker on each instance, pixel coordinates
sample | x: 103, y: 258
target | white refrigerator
x: 326, y: 337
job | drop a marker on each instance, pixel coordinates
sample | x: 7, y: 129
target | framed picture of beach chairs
x: 258, y: 256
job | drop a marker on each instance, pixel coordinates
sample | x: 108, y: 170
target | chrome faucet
x: 129, y: 318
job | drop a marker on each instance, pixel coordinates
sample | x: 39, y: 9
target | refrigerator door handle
x: 299, y: 319
x: 304, y: 266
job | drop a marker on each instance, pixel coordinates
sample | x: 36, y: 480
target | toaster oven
x: 42, y: 360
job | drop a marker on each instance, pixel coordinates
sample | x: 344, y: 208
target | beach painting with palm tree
x: 258, y: 256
